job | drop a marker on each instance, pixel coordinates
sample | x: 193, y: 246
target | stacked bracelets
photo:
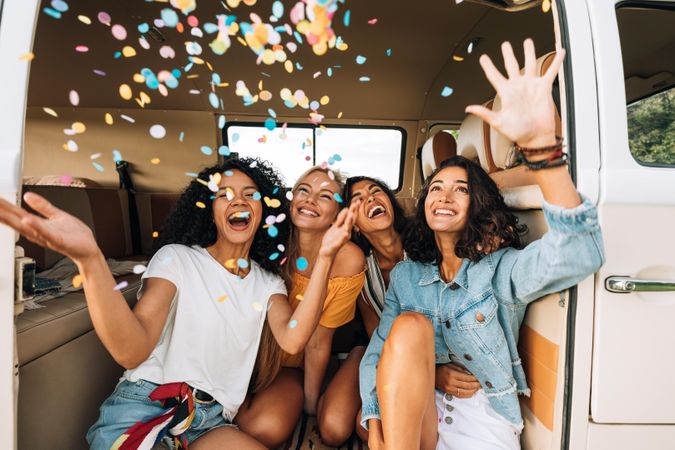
x: 556, y: 158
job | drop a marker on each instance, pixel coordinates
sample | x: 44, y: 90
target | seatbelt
x: 125, y: 182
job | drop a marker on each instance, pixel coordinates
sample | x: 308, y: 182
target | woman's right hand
x: 58, y: 230
x: 338, y: 234
x: 456, y: 381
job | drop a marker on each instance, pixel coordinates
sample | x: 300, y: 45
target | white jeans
x: 472, y: 424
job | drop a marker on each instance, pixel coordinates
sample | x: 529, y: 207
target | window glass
x: 647, y: 47
x: 375, y: 152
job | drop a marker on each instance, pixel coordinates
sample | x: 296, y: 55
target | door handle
x: 626, y: 285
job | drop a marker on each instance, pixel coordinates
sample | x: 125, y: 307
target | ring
x: 457, y: 391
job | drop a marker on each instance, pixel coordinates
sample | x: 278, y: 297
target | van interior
x: 127, y: 102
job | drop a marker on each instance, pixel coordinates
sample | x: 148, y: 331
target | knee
x: 410, y: 331
x: 268, y: 430
x: 334, y: 428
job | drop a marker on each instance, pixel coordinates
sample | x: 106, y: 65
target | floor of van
x: 306, y: 437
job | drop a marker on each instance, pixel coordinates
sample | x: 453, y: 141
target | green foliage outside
x: 651, y: 128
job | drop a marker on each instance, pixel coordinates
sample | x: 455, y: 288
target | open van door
x: 632, y: 388
x: 17, y: 22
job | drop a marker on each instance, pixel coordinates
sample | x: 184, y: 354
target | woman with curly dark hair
x: 190, y: 343
x: 451, y: 302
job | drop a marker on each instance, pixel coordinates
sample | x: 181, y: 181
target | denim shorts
x: 129, y: 404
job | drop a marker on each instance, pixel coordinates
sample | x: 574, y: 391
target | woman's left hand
x: 338, y: 234
x: 527, y: 114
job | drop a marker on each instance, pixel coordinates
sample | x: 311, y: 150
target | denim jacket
x: 478, y: 315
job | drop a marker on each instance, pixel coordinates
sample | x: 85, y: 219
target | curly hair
x: 490, y: 225
x: 401, y: 220
x: 189, y: 225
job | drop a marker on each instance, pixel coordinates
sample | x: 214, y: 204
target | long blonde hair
x: 270, y: 355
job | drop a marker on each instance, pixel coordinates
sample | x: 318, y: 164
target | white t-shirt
x: 211, y: 336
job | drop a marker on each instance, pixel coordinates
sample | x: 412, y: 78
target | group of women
x: 231, y: 336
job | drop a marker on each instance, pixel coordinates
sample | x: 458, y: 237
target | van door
x: 17, y: 22
x: 634, y: 334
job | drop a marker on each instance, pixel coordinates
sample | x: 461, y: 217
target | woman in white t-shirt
x: 191, y: 341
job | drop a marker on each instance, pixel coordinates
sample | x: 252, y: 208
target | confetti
x: 222, y: 298
x: 347, y: 17
x: 301, y: 263
x: 104, y: 18
x: 95, y: 156
x: 155, y: 161
x: 300, y: 297
x: 78, y: 127
x: 84, y: 19
x: 388, y: 52
x: 71, y: 146
x: 224, y: 150
x: 242, y: 263
x: 50, y: 111
x: 52, y: 12
x: 119, y: 32
x: 457, y: 58
x: 81, y: 49
x: 74, y: 98
x: 546, y: 6
x: 293, y: 323
x: 200, y: 205
x: 205, y: 149
x: 289, y: 195
x: 128, y: 52
x: 77, y: 281
x: 364, y: 79
x: 337, y: 197
x: 139, y: 269
x: 270, y: 124
x: 272, y: 202
x: 27, y: 57
x: 274, y: 256
x: 121, y: 286
x: 125, y: 92
x: 372, y: 21
x: 98, y: 167
x: 257, y: 306
x: 155, y: 234
x: 157, y: 131
x: 128, y: 118
x: 117, y: 156
x: 235, y: 137
x: 273, y: 231
x: 447, y: 91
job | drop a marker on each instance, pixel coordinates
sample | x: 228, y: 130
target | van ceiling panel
x: 421, y: 36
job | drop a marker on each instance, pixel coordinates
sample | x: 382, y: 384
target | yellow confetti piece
x: 546, y: 6
x: 108, y: 119
x: 78, y: 127
x: 77, y: 281
x: 222, y: 298
x: 257, y: 306
x: 199, y: 180
x: 84, y: 19
x: 155, y: 234
x: 300, y: 297
x: 231, y: 264
x: 242, y: 41
x: 128, y: 51
x: 200, y: 205
x: 457, y: 58
x: 342, y: 46
x: 272, y: 202
x: 387, y: 387
x: 50, y: 111
x: 208, y: 64
x: 288, y: 65
x: 197, y: 60
x: 154, y: 160
x: 125, y: 92
x: 324, y: 100
x: 138, y: 78
x: 340, y: 115
x: 27, y: 57
x: 193, y: 76
x: 223, y: 84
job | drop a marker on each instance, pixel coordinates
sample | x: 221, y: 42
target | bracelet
x: 550, y: 163
x: 540, y: 150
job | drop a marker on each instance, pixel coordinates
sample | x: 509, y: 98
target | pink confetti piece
x: 372, y: 21
x: 74, y: 98
x: 121, y: 286
x: 82, y: 49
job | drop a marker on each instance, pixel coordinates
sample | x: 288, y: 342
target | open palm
x: 527, y: 114
x: 338, y: 234
x: 58, y: 230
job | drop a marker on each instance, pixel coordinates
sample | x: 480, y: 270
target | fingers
x: 341, y: 217
x: 510, y: 61
x: 40, y: 204
x: 493, y: 75
x: 484, y: 113
x: 530, y: 58
x: 554, y: 68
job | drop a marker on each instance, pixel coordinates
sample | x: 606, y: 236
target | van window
x: 647, y: 47
x: 372, y: 151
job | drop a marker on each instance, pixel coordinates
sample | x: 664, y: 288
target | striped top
x: 374, y: 286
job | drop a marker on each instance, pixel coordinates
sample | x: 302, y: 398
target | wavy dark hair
x: 189, y: 225
x: 490, y: 225
x: 401, y: 220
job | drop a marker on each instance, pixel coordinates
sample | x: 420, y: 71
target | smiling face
x: 446, y: 207
x: 376, y: 213
x: 314, y: 206
x: 236, y: 212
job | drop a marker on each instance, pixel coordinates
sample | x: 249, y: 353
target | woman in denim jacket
x: 448, y: 302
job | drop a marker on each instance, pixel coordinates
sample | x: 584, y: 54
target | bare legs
x: 405, y: 384
x: 270, y: 415
x: 338, y: 406
x: 226, y: 438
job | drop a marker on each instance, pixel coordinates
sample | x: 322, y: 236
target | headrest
x: 437, y: 149
x: 471, y: 142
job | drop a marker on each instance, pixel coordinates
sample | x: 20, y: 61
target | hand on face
x: 338, y: 234
x: 446, y: 206
x: 237, y: 208
x: 527, y: 114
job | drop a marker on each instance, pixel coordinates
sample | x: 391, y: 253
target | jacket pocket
x: 480, y: 321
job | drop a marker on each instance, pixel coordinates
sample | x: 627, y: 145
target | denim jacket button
x: 447, y: 324
x: 468, y: 357
x: 488, y: 384
x: 480, y: 317
x: 454, y: 286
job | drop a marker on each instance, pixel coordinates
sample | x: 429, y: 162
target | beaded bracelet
x: 557, y: 160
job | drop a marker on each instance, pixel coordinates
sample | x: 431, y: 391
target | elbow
x: 131, y: 360
x: 292, y: 348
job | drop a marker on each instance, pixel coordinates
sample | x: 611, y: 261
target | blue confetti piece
x: 277, y: 9
x: 257, y: 196
x: 235, y: 137
x: 314, y: 105
x: 221, y: 122
x: 301, y: 263
x: 228, y: 173
x: 364, y: 79
x: 117, y: 156
x: 447, y: 91
x: 117, y: 55
x: 293, y: 323
x: 273, y: 231
x: 98, y: 167
x: 272, y: 113
x: 388, y: 52
x: 273, y: 256
x: 337, y: 157
x: 347, y: 18
x: 143, y: 28
x: 224, y: 150
x: 52, y: 12
x: 298, y: 37
x: 360, y: 59
x: 192, y: 174
x: 181, y: 136
x: 177, y: 73
x: 337, y: 197
x: 270, y: 124
x: 169, y: 17
x: 245, y: 28
x: 276, y: 189
x: 205, y: 149
x: 330, y: 161
x: 242, y: 263
x: 215, y: 78
x: 230, y: 19
x: 329, y: 72
x: 60, y: 5
x: 298, y: 66
x: 213, y: 99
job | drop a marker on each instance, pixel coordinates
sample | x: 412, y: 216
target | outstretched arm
x: 128, y: 335
x: 527, y: 116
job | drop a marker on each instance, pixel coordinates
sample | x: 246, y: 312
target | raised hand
x: 338, y: 234
x: 527, y: 114
x: 57, y: 231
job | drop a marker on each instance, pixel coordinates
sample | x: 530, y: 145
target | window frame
x: 402, y: 150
